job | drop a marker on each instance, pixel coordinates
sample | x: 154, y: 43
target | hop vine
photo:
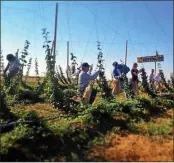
x: 165, y: 83
x: 102, y: 82
x: 25, y: 53
x: 128, y: 87
x: 28, y: 67
x: 146, y: 86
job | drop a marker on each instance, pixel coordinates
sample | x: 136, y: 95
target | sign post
x: 156, y: 58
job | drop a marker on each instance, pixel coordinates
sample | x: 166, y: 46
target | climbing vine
x: 149, y: 90
x: 102, y: 82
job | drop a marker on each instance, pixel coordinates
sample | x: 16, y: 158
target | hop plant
x: 37, y: 71
x: 24, y: 55
x: 49, y: 58
x: 102, y: 82
x: 50, y: 85
x: 172, y: 80
x: 62, y: 75
x: 73, y: 63
x: 28, y: 67
x: 68, y: 75
x: 36, y: 67
x: 1, y: 63
x: 58, y: 76
x: 149, y: 90
x: 165, y: 83
x: 127, y: 87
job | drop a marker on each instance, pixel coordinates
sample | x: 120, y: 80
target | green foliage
x: 96, y: 114
x: 155, y: 129
x: 62, y: 75
x: 58, y: 76
x: 71, y: 69
x: 172, y: 79
x: 149, y: 128
x: 166, y: 103
x: 104, y: 138
x: 49, y: 58
x: 22, y: 115
x: 73, y: 63
x: 65, y: 138
x: 4, y: 111
x: 37, y: 75
x: 11, y: 87
x: 28, y: 67
x: 1, y: 62
x: 135, y: 110
x: 128, y: 87
x: 102, y: 82
x: 9, y: 139
x: 23, y: 56
x: 146, y: 86
x: 51, y: 92
x: 165, y: 83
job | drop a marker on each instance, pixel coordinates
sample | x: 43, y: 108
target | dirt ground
x: 134, y: 148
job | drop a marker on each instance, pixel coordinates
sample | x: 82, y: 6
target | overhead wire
x: 68, y: 23
x: 126, y: 23
x: 87, y: 43
x: 107, y: 49
x: 111, y: 28
x: 155, y: 45
x: 135, y: 26
x: 43, y: 11
x: 156, y: 21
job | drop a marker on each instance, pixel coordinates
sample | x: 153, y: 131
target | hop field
x: 45, y: 119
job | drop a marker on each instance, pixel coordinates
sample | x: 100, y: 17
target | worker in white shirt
x: 158, y: 83
x: 85, y: 78
x: 12, y: 67
x: 158, y: 78
x: 84, y: 81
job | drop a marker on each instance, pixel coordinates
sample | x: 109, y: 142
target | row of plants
x: 72, y: 142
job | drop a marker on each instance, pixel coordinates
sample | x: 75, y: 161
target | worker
x: 85, y: 78
x: 135, y: 81
x: 12, y: 67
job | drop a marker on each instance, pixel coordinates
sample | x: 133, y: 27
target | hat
x: 135, y: 64
x: 85, y: 64
x: 115, y: 63
x: 10, y: 56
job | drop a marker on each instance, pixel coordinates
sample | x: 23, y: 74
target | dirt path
x: 134, y: 148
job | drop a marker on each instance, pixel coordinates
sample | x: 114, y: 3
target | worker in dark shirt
x: 135, y: 73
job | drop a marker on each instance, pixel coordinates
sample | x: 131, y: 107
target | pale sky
x: 148, y: 26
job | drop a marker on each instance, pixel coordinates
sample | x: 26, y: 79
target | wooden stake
x: 55, y: 34
x: 52, y: 47
x: 173, y: 64
x: 67, y: 54
x: 126, y: 53
x: 155, y: 62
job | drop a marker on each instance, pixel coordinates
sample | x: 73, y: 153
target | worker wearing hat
x: 85, y: 78
x: 13, y: 66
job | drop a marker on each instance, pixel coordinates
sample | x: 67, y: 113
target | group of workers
x: 84, y: 79
x: 119, y: 71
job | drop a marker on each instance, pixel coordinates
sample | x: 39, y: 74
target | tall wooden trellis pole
x: 55, y: 36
